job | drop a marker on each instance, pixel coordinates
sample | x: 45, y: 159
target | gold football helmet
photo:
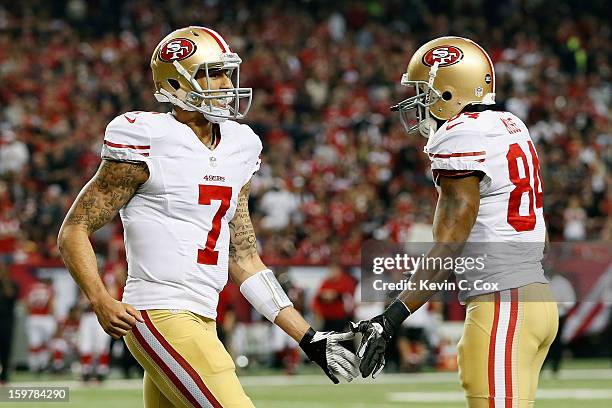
x: 447, y: 73
x: 180, y: 56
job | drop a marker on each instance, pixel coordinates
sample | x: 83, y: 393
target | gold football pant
x: 505, y: 339
x: 185, y: 363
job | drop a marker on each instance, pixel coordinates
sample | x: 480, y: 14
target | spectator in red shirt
x: 334, y: 302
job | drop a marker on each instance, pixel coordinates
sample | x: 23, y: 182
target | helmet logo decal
x: 177, y: 49
x: 445, y: 55
x: 488, y: 78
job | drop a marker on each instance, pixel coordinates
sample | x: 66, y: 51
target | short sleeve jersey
x: 510, y: 222
x: 176, y: 228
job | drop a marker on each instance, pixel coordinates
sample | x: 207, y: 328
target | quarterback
x: 487, y: 173
x: 180, y: 182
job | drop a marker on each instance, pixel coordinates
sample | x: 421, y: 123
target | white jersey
x: 176, y: 229
x: 510, y: 225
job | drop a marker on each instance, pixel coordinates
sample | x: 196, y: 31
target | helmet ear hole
x: 447, y: 96
x: 174, y: 83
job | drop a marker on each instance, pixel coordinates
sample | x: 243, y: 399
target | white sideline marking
x: 448, y: 396
x: 543, y: 394
x: 274, y: 380
x: 595, y: 374
x: 419, y: 378
x: 575, y: 393
x: 283, y: 381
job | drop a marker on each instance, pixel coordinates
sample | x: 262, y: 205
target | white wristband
x: 263, y: 291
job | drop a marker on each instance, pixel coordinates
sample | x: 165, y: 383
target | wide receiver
x: 486, y: 170
x: 180, y: 182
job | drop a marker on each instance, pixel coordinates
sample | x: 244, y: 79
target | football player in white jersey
x: 180, y: 182
x: 486, y: 170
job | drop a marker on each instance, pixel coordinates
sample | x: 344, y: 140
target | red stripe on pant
x: 179, y: 359
x: 164, y: 367
x: 509, y: 344
x: 492, y: 353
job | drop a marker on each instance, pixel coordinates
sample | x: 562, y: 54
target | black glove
x: 377, y: 332
x: 324, y: 349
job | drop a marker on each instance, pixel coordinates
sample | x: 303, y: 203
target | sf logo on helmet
x: 445, y: 55
x: 177, y: 49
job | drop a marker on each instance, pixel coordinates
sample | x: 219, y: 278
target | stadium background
x: 337, y: 166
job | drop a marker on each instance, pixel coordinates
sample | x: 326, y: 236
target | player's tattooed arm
x: 111, y: 188
x: 244, y: 259
x: 244, y: 262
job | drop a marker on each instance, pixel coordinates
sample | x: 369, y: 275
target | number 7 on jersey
x: 208, y: 255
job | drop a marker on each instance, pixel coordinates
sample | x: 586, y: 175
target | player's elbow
x: 454, y: 224
x: 67, y: 234
x: 459, y: 232
x: 62, y: 239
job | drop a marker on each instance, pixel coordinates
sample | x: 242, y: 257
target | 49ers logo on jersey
x: 177, y: 49
x: 445, y: 55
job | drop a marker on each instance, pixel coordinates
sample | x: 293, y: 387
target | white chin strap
x: 428, y: 126
x: 213, y: 114
x: 214, y: 119
x: 218, y: 115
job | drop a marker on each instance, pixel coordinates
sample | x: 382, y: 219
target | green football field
x: 582, y: 384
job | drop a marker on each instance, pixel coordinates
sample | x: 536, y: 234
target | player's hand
x: 116, y: 318
x: 324, y: 349
x: 377, y: 332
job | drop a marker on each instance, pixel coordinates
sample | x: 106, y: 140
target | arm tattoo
x: 110, y: 189
x: 243, y: 242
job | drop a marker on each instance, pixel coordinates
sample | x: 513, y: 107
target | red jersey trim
x: 448, y: 156
x: 126, y: 146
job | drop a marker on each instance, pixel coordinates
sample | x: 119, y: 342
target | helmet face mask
x: 425, y: 96
x: 220, y: 103
x: 190, y: 57
x: 448, y: 74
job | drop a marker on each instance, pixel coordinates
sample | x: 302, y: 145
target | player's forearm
x: 288, y: 319
x: 260, y: 287
x: 243, y: 265
x: 417, y: 297
x: 80, y: 259
x: 292, y: 323
x: 257, y: 283
x: 454, y: 219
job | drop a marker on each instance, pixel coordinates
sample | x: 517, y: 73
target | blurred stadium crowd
x: 337, y: 166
